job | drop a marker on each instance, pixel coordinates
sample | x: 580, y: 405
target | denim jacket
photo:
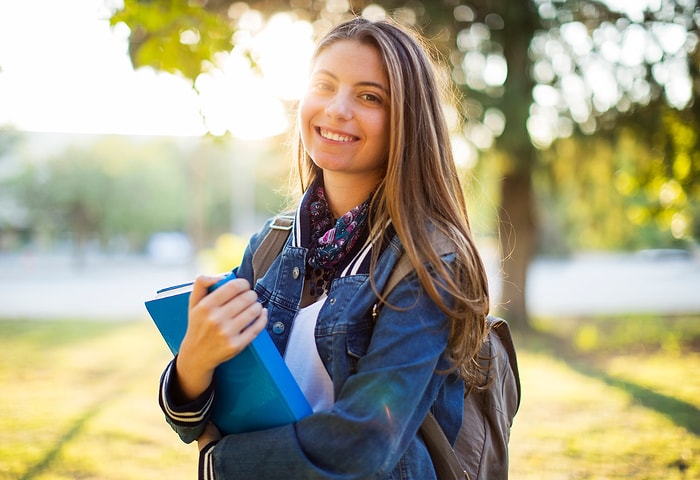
x: 385, y: 366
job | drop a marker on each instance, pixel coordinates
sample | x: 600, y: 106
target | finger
x: 253, y: 328
x: 228, y: 291
x: 200, y: 288
x: 241, y: 335
x: 235, y: 315
x: 241, y: 305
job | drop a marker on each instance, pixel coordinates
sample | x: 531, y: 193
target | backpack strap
x: 272, y: 244
x: 492, y: 410
x: 403, y: 267
x: 496, y: 325
x: 445, y: 461
x: 502, y: 330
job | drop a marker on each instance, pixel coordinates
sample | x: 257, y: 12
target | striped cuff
x: 206, y: 462
x: 189, y: 414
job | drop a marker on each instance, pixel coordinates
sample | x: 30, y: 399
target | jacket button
x: 295, y: 273
x: 332, y: 300
x: 278, y: 327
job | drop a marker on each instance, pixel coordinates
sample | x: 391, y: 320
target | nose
x: 339, y: 106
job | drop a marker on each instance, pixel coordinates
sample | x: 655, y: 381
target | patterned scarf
x: 331, y: 240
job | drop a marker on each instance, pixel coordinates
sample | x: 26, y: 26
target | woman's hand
x: 220, y: 325
x: 210, y: 434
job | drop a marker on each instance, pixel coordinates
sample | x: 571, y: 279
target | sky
x: 64, y: 69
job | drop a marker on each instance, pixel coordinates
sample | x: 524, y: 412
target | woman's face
x: 344, y: 114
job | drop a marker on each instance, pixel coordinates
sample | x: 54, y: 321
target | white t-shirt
x: 304, y: 362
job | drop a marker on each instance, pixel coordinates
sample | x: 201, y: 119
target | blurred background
x: 142, y: 142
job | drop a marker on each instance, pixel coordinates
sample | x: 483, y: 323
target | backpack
x: 481, y: 448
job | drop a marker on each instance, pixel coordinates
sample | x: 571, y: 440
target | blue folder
x: 254, y: 390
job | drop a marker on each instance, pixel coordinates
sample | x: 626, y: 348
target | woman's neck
x: 343, y: 196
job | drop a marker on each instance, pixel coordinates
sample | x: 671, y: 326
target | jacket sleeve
x: 188, y: 420
x: 377, y: 411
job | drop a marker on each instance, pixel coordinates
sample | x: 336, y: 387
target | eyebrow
x: 362, y: 84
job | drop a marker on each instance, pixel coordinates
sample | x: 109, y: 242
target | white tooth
x: 335, y: 137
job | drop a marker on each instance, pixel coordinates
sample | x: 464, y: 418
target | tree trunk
x: 516, y: 223
x: 517, y: 229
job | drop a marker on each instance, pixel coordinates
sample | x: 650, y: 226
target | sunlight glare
x: 234, y: 100
x: 671, y: 36
x: 464, y: 153
x: 634, y: 9
x: 374, y: 12
x: 285, y: 46
x: 66, y: 71
x: 76, y: 76
x: 633, y: 47
x: 496, y: 70
x: 249, y: 101
x: 603, y: 85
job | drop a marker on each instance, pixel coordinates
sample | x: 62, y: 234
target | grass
x: 609, y: 398
x: 602, y: 399
x: 81, y: 403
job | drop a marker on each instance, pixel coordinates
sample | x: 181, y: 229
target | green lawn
x: 602, y: 399
x: 81, y: 399
x: 609, y: 399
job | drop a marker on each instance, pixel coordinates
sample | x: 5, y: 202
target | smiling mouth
x: 336, y: 137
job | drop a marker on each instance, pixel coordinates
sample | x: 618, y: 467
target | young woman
x: 378, y: 181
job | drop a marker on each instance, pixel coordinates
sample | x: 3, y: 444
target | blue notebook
x: 254, y: 390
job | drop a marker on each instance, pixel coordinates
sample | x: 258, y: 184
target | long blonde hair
x: 421, y: 181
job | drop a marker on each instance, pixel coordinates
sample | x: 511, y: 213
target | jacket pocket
x: 357, y: 343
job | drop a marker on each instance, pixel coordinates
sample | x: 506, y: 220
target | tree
x: 516, y: 63
x: 622, y: 75
x: 564, y: 79
x: 12, y: 215
x: 64, y: 196
x: 109, y: 190
x: 115, y: 192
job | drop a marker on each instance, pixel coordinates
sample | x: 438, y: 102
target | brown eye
x: 321, y: 86
x: 372, y: 98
